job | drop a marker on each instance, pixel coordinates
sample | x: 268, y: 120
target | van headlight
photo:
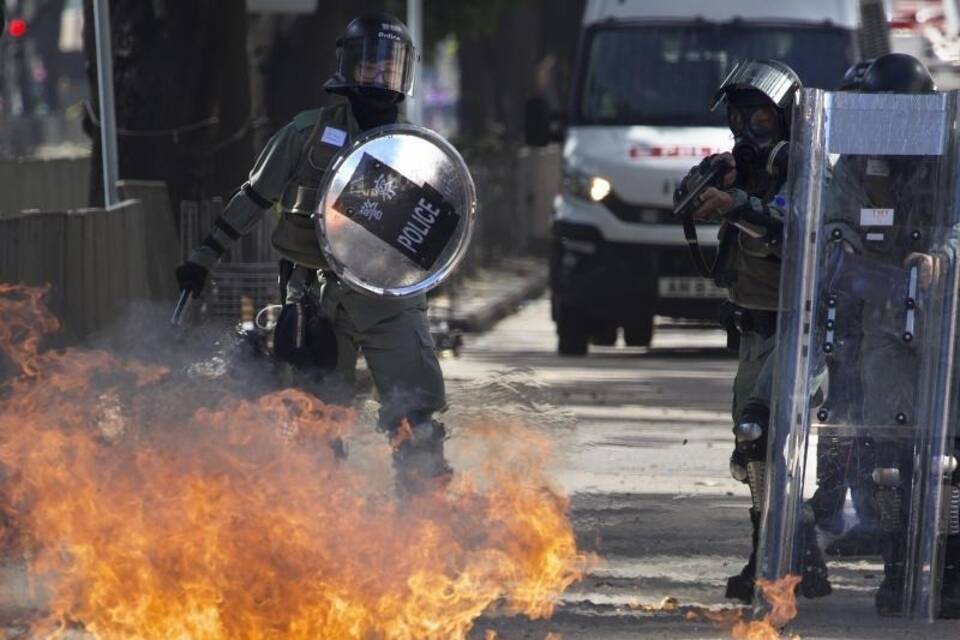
x: 584, y: 186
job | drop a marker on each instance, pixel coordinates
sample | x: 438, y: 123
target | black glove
x: 191, y: 277
x: 695, y: 174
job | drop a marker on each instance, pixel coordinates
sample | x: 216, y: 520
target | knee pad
x: 951, y: 495
x: 751, y: 450
x: 757, y: 480
x: 951, y: 510
x: 889, y: 498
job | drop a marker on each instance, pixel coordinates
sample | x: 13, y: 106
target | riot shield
x: 867, y: 332
x: 397, y: 211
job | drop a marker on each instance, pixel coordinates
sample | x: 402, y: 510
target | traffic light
x: 18, y: 27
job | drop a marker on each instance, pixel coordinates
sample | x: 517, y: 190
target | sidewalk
x: 490, y: 295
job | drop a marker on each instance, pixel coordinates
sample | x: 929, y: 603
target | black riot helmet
x: 897, y: 73
x: 759, y: 95
x: 375, y: 52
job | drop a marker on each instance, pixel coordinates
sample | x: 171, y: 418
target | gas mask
x: 760, y: 149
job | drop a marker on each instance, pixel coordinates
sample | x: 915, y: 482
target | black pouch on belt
x: 304, y: 336
x: 763, y: 322
x: 728, y: 315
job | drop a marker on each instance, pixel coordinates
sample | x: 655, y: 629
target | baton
x: 181, y: 309
x: 709, y: 179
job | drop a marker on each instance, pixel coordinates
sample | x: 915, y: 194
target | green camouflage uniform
x: 755, y: 268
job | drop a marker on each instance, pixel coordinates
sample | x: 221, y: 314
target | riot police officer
x: 844, y: 462
x: 375, y: 65
x: 889, y: 366
x: 759, y: 96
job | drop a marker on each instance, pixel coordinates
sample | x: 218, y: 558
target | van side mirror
x: 541, y: 124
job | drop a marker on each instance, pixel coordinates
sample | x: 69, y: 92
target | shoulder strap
x: 317, y: 154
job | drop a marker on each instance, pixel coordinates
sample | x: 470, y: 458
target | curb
x: 492, y: 296
x: 499, y: 307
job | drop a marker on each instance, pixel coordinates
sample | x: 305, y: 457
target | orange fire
x: 779, y: 594
x: 148, y: 511
x: 20, y: 334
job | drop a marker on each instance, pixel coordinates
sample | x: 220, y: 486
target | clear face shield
x: 380, y: 63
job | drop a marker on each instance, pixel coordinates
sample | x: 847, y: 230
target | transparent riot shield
x: 865, y: 381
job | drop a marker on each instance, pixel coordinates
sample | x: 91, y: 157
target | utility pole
x: 415, y: 25
x: 951, y: 11
x: 874, y: 29
x: 108, y: 114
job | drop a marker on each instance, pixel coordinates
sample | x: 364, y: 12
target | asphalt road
x: 642, y: 442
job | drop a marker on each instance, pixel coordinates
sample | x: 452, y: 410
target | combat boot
x: 741, y: 586
x: 950, y: 594
x: 418, y: 459
x: 815, y: 582
x: 889, y: 597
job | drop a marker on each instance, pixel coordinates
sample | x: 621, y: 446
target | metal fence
x: 93, y: 258
x: 516, y: 188
x: 96, y: 259
x: 48, y: 185
x: 245, y: 280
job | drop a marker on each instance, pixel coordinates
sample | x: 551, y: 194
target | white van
x: 638, y: 121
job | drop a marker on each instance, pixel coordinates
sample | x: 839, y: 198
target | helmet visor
x: 771, y: 78
x: 378, y: 62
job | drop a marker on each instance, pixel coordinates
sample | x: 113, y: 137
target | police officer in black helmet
x: 325, y: 324
x: 375, y: 65
x: 897, y: 73
x: 888, y: 366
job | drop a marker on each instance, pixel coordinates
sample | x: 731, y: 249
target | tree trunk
x: 499, y: 71
x: 182, y: 94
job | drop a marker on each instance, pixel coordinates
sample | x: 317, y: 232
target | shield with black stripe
x: 397, y: 211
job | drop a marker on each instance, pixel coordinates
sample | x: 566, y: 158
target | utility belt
x: 738, y: 320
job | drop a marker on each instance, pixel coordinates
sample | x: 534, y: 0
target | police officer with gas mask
x: 324, y: 323
x: 745, y: 200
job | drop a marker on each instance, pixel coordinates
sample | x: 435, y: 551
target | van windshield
x: 666, y: 75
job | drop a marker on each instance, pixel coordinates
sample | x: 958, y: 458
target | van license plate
x: 689, y: 288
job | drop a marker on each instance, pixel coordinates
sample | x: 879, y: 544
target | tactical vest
x: 295, y: 237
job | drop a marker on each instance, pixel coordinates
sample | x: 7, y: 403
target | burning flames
x: 149, y: 514
x: 779, y: 594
